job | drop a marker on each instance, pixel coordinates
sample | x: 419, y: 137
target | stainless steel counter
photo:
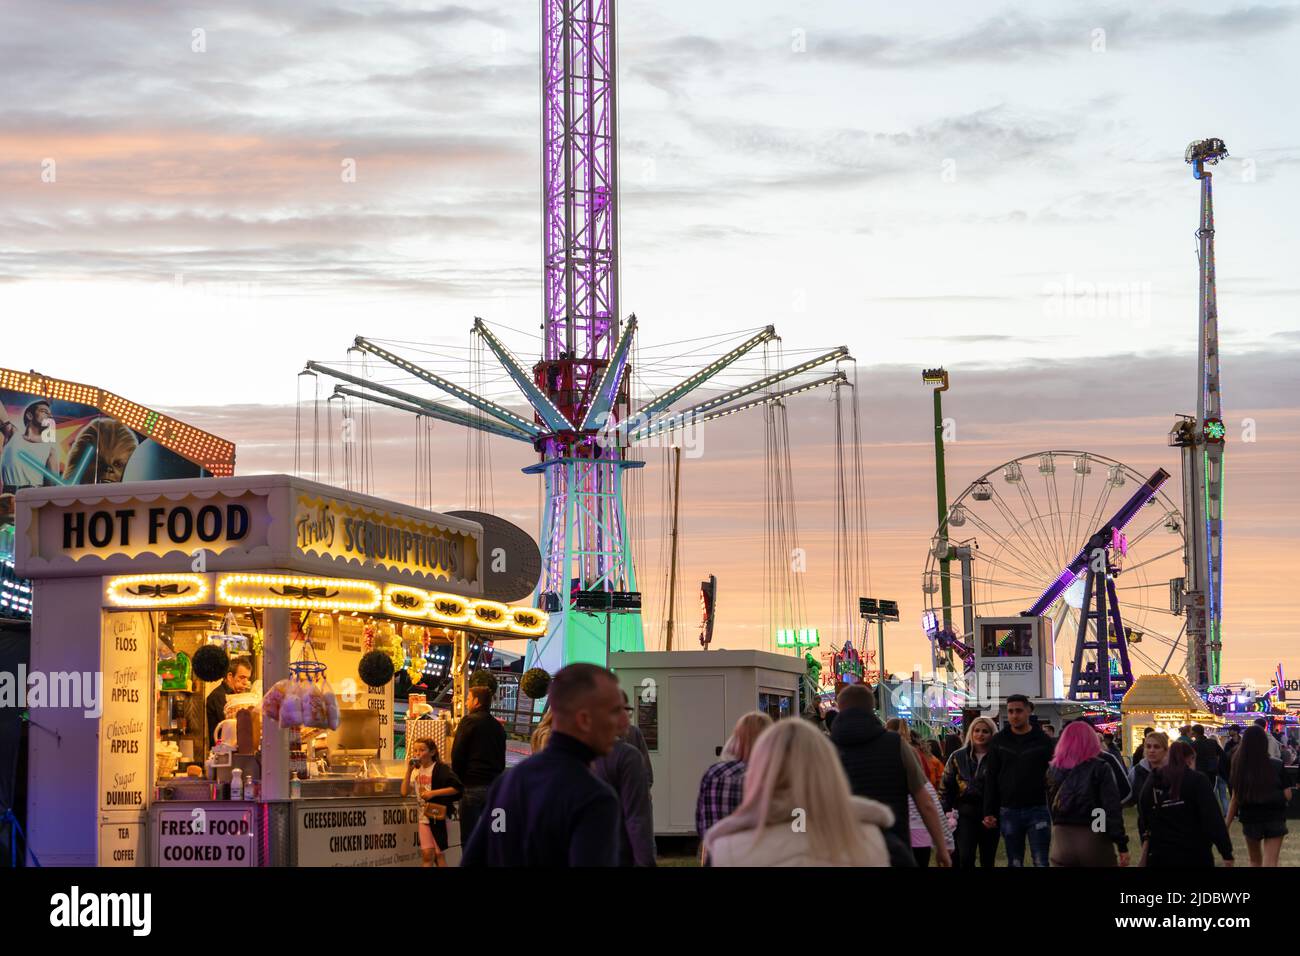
x: 334, y: 788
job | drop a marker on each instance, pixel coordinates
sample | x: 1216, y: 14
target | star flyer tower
x: 581, y: 376
x: 582, y: 423
x: 1201, y: 440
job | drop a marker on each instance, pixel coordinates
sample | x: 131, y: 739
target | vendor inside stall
x: 236, y: 681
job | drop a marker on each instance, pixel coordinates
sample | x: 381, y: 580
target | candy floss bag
x: 292, y: 707
x: 320, y: 705
x: 274, y: 699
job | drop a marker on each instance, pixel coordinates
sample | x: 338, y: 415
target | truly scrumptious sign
x: 329, y: 527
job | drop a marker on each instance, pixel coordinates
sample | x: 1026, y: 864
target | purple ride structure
x: 582, y: 423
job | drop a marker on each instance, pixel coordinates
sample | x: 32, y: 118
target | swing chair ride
x: 594, y: 396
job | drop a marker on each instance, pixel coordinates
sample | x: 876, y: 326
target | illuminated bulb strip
x: 520, y: 624
x: 193, y: 589
x: 525, y: 621
x: 460, y: 617
x: 500, y: 620
x: 245, y: 590
x: 253, y: 590
x: 397, y: 591
x: 706, y: 373
x: 450, y: 387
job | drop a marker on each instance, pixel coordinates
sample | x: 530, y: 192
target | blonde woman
x: 542, y: 732
x: 723, y: 784
x: 797, y: 809
x: 963, y: 792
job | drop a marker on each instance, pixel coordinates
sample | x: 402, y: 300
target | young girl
x: 434, y: 783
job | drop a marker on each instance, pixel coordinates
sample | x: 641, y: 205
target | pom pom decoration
x: 210, y: 662
x: 484, y: 678
x: 535, y: 683
x: 376, y: 668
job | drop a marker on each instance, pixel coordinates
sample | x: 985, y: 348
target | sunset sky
x: 968, y: 184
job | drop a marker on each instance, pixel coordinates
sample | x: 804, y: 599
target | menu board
x: 121, y: 843
x: 352, y: 632
x: 205, y: 836
x: 380, y: 701
x: 369, y: 833
x: 125, y: 775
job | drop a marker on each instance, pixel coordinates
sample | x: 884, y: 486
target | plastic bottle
x: 295, y: 789
x: 237, y: 784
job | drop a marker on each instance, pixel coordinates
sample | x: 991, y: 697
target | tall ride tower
x: 582, y: 421
x: 1202, y: 440
x: 584, y: 529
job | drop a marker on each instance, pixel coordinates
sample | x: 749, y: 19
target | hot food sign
x: 263, y: 523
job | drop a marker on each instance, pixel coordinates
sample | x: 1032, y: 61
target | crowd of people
x: 850, y: 790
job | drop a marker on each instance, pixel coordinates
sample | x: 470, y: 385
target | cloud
x: 1016, y: 35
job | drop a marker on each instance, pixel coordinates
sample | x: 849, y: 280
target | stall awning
x: 1166, y: 693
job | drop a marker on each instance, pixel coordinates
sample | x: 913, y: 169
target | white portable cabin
x: 686, y: 704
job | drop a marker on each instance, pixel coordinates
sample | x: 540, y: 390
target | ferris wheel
x: 1013, y: 530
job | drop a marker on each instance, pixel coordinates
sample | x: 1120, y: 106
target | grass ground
x: 680, y: 851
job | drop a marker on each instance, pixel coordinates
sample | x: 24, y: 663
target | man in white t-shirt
x: 40, y: 452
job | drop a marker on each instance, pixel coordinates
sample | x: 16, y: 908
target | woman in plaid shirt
x: 722, y: 787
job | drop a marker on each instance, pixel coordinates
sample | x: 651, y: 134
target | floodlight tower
x: 1201, y: 440
x: 938, y: 379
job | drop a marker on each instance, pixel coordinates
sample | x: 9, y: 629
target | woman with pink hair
x: 1087, y: 819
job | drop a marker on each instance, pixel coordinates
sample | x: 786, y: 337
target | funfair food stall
x: 1164, y: 702
x: 288, y: 584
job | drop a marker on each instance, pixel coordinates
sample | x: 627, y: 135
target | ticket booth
x: 1014, y: 655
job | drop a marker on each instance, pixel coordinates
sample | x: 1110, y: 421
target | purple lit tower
x: 582, y: 422
x: 584, y: 530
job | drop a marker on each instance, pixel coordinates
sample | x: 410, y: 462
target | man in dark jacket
x: 1015, y: 795
x: 478, y: 757
x: 551, y: 810
x: 1225, y: 762
x: 624, y: 769
x: 235, y: 682
x: 634, y: 737
x: 1209, y: 760
x: 881, y: 766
